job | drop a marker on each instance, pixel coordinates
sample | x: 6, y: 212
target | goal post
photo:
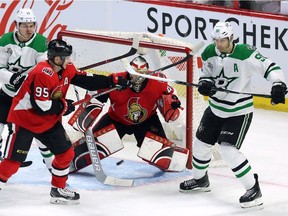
x: 91, y: 47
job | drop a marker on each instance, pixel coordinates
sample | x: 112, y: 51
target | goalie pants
x: 152, y: 124
x: 230, y: 130
x: 18, y: 146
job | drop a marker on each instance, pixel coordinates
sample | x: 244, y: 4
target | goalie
x: 134, y: 111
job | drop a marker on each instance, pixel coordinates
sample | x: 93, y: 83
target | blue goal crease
x: 142, y: 173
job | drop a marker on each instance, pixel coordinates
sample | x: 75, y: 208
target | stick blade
x: 197, y: 48
x: 118, y: 182
x: 26, y: 163
x: 136, y: 42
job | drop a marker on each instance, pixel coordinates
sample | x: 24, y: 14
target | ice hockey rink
x: 156, y: 193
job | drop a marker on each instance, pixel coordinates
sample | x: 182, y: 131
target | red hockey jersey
x: 43, y: 85
x: 129, y: 107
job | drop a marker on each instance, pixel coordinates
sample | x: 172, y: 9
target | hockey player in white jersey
x: 19, y: 52
x: 227, y: 119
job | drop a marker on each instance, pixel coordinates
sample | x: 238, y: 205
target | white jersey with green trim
x: 16, y: 56
x: 233, y: 72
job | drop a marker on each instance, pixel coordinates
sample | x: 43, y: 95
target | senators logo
x: 57, y: 93
x: 135, y: 113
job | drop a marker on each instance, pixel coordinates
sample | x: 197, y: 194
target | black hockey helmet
x: 60, y: 48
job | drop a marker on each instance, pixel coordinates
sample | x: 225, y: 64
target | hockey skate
x: 252, y: 197
x: 201, y: 184
x: 64, y: 196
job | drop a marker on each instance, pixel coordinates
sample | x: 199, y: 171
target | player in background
x: 228, y: 117
x: 133, y: 111
x: 36, y: 111
x: 19, y: 52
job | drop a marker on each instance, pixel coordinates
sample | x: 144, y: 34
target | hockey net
x: 95, y: 46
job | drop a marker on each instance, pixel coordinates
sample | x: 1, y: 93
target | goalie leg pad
x: 109, y: 141
x: 163, y: 153
x: 82, y: 157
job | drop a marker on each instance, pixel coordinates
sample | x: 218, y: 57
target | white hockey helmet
x: 222, y: 30
x: 25, y: 15
x: 140, y: 64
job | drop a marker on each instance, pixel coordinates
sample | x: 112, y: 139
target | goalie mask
x: 140, y: 65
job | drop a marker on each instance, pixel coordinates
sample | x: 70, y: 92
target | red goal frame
x: 189, y: 73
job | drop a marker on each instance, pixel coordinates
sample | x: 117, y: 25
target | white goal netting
x: 91, y: 47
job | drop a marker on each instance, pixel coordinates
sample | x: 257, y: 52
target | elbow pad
x: 56, y: 107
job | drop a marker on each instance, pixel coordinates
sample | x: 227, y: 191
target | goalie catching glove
x: 168, y: 106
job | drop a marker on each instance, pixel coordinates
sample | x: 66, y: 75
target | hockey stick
x: 23, y: 164
x: 76, y: 93
x: 98, y: 170
x: 132, y: 51
x: 132, y: 71
x: 125, y: 63
x: 26, y: 163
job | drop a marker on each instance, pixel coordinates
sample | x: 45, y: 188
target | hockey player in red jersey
x: 134, y: 111
x: 36, y: 111
x: 20, y: 51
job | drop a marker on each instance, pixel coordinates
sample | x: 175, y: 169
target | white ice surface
x: 156, y: 193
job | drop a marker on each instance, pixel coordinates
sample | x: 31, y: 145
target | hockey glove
x: 278, y: 92
x: 206, y: 88
x: 17, y: 79
x: 69, y: 106
x: 120, y: 82
x: 176, y: 102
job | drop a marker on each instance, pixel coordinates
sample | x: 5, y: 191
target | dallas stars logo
x: 221, y: 81
x: 17, y: 67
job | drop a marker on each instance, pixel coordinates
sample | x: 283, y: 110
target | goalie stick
x: 132, y: 51
x: 98, y: 170
x: 125, y: 63
x: 91, y: 143
x: 128, y: 67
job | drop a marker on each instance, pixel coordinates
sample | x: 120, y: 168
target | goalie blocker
x: 163, y: 153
